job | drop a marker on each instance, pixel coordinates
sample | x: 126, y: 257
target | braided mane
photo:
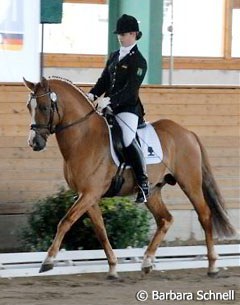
x: 65, y: 80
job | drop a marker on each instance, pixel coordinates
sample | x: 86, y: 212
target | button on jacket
x: 120, y: 80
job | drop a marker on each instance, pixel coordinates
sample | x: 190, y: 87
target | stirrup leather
x: 143, y: 193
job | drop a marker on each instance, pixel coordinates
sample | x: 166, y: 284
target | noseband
x: 54, y: 108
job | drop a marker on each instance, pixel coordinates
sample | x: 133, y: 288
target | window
x: 206, y: 35
x: 77, y: 33
x: 236, y: 33
x: 198, y: 28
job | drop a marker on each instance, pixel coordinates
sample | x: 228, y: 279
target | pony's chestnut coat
x: 83, y: 140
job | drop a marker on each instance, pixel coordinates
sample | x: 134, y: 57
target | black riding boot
x: 136, y: 160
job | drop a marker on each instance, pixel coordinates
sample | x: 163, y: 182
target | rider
x: 120, y: 82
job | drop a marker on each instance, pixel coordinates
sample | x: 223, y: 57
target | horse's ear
x: 29, y: 85
x: 44, y: 83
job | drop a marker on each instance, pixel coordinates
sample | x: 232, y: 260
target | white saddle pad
x: 150, y: 145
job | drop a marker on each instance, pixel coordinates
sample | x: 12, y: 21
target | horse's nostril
x: 38, y: 143
x: 37, y: 148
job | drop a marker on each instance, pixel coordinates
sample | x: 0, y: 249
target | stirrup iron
x: 143, y: 193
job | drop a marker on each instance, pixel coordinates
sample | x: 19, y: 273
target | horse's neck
x: 74, y: 107
x: 86, y: 137
x: 74, y: 104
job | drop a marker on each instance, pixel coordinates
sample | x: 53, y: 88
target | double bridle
x: 54, y: 108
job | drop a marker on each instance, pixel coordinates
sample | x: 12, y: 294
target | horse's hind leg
x: 192, y: 187
x: 205, y: 218
x: 96, y: 217
x: 163, y: 220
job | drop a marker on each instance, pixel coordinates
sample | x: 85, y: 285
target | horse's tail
x: 221, y: 223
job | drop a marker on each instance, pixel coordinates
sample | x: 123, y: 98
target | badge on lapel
x: 139, y: 72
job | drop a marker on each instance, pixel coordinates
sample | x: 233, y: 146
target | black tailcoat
x: 120, y: 80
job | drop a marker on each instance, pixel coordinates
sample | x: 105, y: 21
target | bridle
x: 54, y: 109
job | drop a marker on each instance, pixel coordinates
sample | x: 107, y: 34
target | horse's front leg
x: 96, y: 217
x: 81, y: 205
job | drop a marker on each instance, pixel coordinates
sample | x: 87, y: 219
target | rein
x: 53, y: 109
x: 59, y: 128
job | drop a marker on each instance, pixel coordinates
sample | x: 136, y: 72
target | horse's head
x: 42, y: 106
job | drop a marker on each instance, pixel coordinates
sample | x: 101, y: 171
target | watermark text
x: 171, y: 295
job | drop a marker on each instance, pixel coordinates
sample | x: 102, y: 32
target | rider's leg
x: 128, y: 123
x: 137, y: 161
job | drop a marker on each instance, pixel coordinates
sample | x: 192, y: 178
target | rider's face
x: 127, y: 39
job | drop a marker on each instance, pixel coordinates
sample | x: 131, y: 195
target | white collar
x: 125, y: 50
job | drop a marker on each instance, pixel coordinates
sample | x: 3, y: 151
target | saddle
x: 117, y: 141
x: 148, y: 140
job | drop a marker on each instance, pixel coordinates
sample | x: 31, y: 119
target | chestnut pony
x: 57, y: 106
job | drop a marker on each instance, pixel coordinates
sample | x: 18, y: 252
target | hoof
x: 213, y: 275
x: 147, y: 270
x: 46, y: 267
x: 112, y: 277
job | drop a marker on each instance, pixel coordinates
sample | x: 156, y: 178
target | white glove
x: 90, y: 96
x: 102, y: 102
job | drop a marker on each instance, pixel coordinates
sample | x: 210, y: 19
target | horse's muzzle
x: 36, y: 141
x: 39, y: 143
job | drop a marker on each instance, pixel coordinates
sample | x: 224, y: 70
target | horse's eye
x: 43, y: 108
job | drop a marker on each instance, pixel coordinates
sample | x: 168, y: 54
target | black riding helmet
x: 127, y: 24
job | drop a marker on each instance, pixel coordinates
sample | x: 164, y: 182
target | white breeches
x: 128, y: 122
